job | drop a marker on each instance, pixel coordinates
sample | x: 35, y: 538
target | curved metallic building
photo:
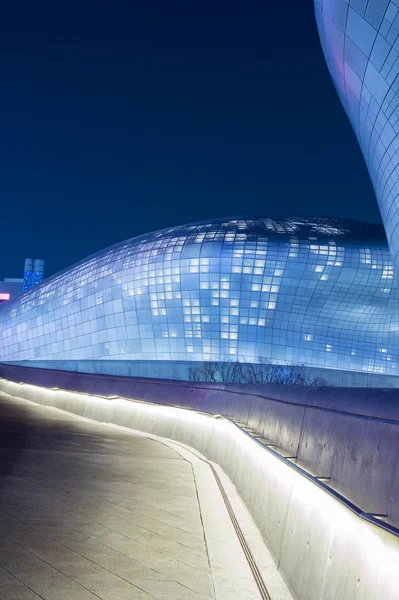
x: 361, y: 45
x: 318, y: 292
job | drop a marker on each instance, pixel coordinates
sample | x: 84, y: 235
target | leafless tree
x: 228, y: 371
x: 207, y: 371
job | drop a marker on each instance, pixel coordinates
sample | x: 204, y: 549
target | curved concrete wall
x: 350, y: 435
x: 324, y: 550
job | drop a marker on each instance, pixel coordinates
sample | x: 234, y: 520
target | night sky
x: 119, y: 118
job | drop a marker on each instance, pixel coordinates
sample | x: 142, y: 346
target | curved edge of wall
x: 180, y: 370
x: 349, y: 435
x: 323, y: 549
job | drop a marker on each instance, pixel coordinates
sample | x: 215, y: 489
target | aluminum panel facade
x: 317, y: 292
x: 360, y: 41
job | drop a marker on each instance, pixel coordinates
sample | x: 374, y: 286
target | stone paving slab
x: 86, y: 513
x: 93, y: 510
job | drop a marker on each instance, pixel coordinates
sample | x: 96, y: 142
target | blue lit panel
x: 37, y: 277
x: 317, y: 292
x: 360, y: 43
x: 28, y: 281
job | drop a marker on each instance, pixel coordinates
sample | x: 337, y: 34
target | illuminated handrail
x: 347, y: 503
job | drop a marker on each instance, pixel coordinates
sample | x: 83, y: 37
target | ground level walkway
x: 89, y: 510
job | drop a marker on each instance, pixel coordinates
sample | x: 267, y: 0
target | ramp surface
x: 89, y: 511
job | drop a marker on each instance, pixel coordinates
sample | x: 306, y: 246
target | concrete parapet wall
x: 349, y: 435
x: 324, y: 550
x: 180, y: 370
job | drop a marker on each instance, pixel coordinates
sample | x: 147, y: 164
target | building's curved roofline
x: 365, y: 230
x: 323, y: 227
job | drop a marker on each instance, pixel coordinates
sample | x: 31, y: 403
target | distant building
x: 10, y: 288
x: 33, y: 273
x: 14, y: 286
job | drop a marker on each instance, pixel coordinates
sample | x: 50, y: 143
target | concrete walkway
x: 88, y: 512
x: 91, y: 510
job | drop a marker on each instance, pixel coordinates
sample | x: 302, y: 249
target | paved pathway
x: 89, y: 511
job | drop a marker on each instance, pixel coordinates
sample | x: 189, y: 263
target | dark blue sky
x: 118, y: 118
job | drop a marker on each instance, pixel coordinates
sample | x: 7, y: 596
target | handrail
x: 347, y: 503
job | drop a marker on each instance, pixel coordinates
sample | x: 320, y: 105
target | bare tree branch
x: 227, y: 371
